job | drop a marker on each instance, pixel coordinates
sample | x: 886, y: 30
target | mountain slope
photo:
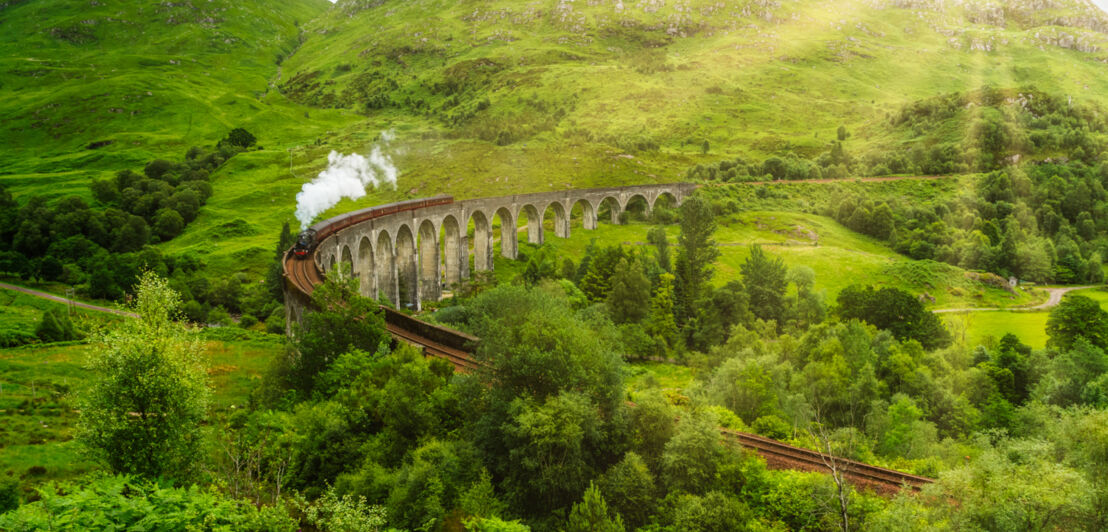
x: 500, y: 97
x: 538, y: 95
x: 140, y: 79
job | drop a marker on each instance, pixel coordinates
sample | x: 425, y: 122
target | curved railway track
x: 302, y: 275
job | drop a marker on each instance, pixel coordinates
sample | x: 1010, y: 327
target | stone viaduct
x: 411, y: 255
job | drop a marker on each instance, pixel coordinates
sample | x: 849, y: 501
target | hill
x: 544, y: 95
x: 498, y: 98
x: 92, y: 88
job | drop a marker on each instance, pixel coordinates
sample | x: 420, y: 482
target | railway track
x: 303, y: 276
x: 463, y: 362
x: 785, y: 456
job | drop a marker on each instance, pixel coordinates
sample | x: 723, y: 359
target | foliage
x: 696, y: 253
x: 629, y: 489
x: 894, y: 310
x: 344, y: 514
x: 690, y: 459
x: 344, y: 321
x: 1077, y: 317
x: 765, y: 280
x: 240, y: 137
x: 661, y: 324
x: 56, y: 327
x: 125, y: 503
x: 592, y: 514
x: 9, y: 494
x: 142, y: 410
x: 629, y: 299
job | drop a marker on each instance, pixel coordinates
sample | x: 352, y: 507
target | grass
x: 839, y: 256
x: 592, y: 95
x: 21, y: 313
x: 971, y: 329
x: 38, y: 383
x: 986, y: 328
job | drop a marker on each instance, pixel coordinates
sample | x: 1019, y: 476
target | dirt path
x: 1055, y: 298
x: 63, y: 300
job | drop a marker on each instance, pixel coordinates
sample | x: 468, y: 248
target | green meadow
x: 839, y: 256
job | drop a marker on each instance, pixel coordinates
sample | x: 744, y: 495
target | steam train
x: 308, y: 239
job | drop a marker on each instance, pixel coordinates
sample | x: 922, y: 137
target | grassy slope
x: 153, y: 78
x: 750, y: 80
x: 839, y: 256
x: 580, y: 86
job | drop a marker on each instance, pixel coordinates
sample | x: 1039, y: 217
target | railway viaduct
x: 410, y: 255
x: 398, y: 254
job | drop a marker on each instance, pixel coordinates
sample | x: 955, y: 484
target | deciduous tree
x: 149, y: 392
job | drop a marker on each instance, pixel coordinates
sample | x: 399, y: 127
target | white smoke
x: 346, y: 176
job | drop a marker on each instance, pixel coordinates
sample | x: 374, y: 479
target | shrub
x: 240, y: 137
x: 122, y: 503
x: 9, y: 494
x: 772, y: 426
x: 56, y: 327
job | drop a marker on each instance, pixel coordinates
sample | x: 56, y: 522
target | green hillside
x: 540, y: 96
x: 501, y: 97
x: 90, y: 89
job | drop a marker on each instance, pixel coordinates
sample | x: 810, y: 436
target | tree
x: 690, y: 458
x: 149, y: 390
x: 168, y: 223
x: 551, y: 449
x: 661, y: 324
x: 542, y: 264
x: 629, y: 487
x: 841, y: 133
x: 695, y: 254
x: 597, y: 268
x: 274, y: 279
x: 629, y: 300
x: 896, y: 311
x: 1077, y: 317
x: 657, y: 237
x: 548, y: 400
x: 56, y: 327
x: 765, y: 282
x: 241, y: 138
x: 341, y: 320
x: 712, y: 512
x: 591, y: 514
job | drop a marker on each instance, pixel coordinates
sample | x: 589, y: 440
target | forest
x: 351, y: 431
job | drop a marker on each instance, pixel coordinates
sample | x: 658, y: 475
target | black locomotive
x: 305, y: 241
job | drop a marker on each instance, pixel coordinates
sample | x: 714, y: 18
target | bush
x: 123, y: 503
x: 219, y: 316
x: 56, y: 327
x: 168, y: 223
x: 9, y: 494
x: 774, y: 427
x: 240, y: 137
x: 275, y: 323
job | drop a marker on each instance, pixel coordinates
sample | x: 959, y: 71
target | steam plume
x: 346, y: 176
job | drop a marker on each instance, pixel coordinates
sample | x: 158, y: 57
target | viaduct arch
x: 409, y: 256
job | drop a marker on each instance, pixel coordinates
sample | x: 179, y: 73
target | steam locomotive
x: 307, y: 240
